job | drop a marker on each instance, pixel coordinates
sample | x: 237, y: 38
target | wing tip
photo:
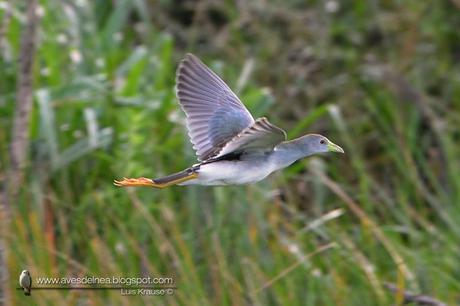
x: 186, y: 63
x: 189, y: 59
x: 190, y: 55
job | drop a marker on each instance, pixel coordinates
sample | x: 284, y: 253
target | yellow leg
x: 134, y: 182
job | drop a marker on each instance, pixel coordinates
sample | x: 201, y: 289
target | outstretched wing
x: 214, y: 113
x: 262, y: 135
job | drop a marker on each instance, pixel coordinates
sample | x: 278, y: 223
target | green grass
x: 379, y: 78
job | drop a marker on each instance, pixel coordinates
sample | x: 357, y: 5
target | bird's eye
x: 322, y: 141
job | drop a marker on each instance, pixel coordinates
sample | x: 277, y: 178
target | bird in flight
x: 232, y: 147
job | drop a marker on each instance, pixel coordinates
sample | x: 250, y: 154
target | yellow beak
x: 334, y: 148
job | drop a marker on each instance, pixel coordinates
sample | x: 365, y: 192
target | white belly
x: 231, y: 173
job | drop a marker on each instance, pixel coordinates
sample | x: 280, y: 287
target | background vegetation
x: 380, y: 78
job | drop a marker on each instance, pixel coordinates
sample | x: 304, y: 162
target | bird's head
x: 314, y: 143
x: 24, y: 273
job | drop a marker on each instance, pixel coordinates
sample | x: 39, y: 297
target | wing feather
x: 262, y: 135
x: 214, y: 113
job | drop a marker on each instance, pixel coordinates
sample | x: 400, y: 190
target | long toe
x: 126, y: 182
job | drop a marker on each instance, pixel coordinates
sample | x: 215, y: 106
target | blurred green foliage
x: 380, y: 78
